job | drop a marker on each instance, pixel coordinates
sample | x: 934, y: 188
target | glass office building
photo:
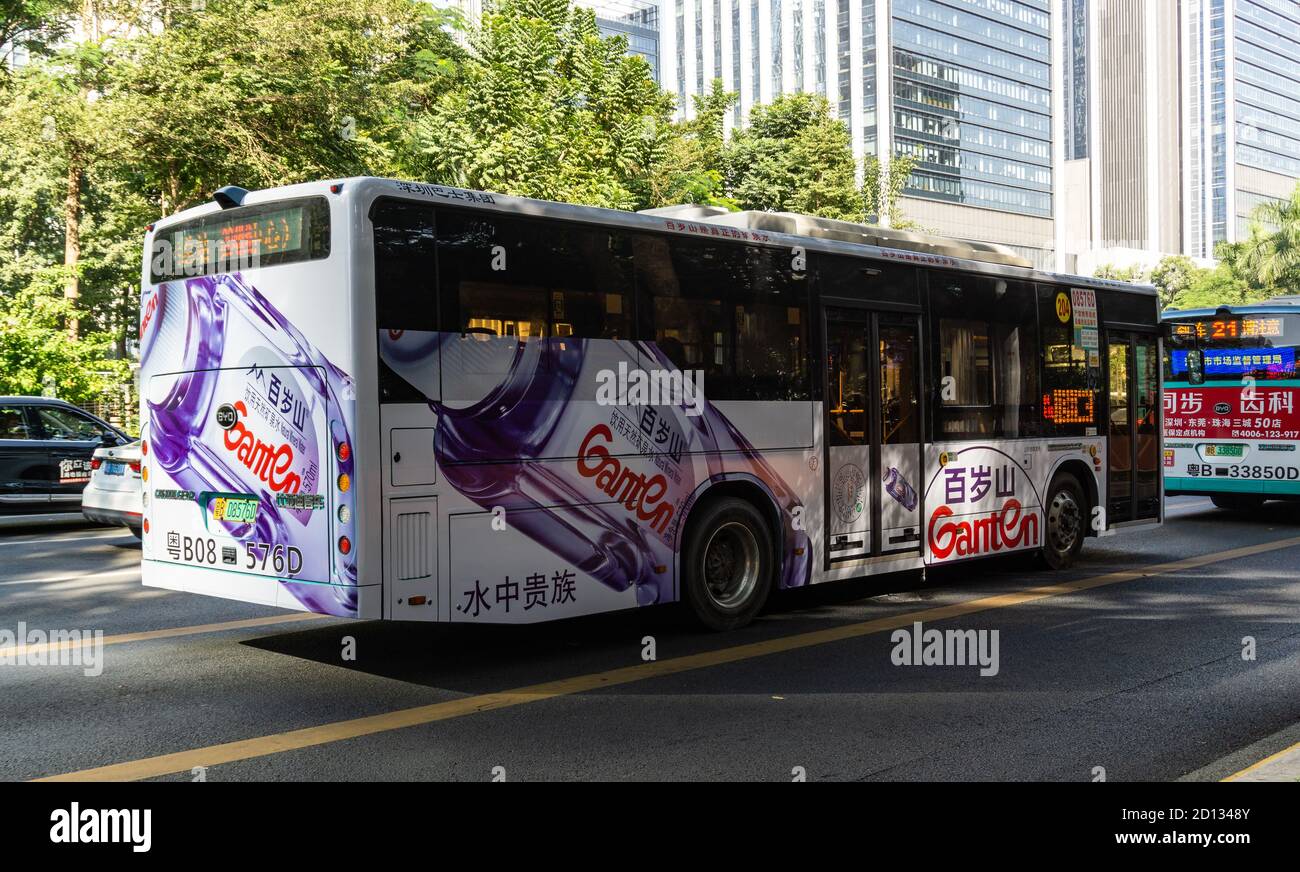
x: 965, y: 89
x: 1242, y: 125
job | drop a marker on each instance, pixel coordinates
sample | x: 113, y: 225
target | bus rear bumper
x: 302, y: 596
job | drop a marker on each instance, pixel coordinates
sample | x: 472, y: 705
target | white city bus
x: 425, y: 403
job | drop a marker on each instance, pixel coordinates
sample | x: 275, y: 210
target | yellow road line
x: 246, y: 749
x: 1269, y: 759
x: 149, y: 635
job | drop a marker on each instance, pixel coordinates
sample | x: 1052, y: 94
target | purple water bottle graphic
x: 898, y: 488
x: 615, y: 512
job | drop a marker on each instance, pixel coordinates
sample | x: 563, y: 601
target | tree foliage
x: 546, y: 108
x: 793, y: 156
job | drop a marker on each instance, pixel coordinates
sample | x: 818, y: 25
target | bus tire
x: 1065, y: 518
x: 727, y: 565
x: 1237, y: 502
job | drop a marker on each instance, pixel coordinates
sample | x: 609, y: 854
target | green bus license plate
x: 242, y: 511
x: 1223, y: 451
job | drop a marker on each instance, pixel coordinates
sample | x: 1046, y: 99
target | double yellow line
x: 247, y: 749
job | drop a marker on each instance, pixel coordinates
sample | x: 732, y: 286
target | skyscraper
x: 1242, y: 128
x: 964, y: 86
x: 1186, y: 120
x: 1121, y: 181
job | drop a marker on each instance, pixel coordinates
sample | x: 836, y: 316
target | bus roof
x: 775, y: 228
x: 1275, y: 306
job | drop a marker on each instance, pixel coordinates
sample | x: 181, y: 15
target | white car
x: 115, y: 492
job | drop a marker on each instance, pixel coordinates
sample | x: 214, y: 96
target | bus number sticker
x: 1063, y: 307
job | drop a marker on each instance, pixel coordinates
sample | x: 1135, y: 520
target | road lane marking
x: 167, y: 633
x: 246, y: 749
x: 1267, y: 760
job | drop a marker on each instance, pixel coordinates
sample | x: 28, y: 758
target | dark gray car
x: 45, y: 451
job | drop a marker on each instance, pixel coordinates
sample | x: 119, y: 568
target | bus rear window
x: 246, y: 238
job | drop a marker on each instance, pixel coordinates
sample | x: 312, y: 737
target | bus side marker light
x: 798, y: 552
x: 661, y: 569
x: 416, y: 601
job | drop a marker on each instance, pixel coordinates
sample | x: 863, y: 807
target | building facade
x: 964, y: 86
x: 1186, y: 120
x: 1242, y: 127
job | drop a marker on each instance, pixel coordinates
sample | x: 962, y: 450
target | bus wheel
x: 1237, y: 502
x: 728, y: 564
x: 1065, y: 518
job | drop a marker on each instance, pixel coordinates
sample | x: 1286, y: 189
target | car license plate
x: 114, y: 468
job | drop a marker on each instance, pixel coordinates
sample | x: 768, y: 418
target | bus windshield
x: 1228, y: 348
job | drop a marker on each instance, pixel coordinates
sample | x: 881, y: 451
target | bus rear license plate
x: 1223, y: 451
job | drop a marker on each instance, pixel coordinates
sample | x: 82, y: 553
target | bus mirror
x: 1196, y: 366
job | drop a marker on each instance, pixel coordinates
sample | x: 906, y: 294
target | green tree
x: 690, y: 169
x: 1271, y: 256
x: 1172, y: 276
x: 546, y: 108
x: 794, y: 157
x: 33, y: 25
x: 881, y: 190
x: 259, y: 93
x: 1132, y: 274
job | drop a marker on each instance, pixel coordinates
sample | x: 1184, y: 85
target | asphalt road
x: 1130, y: 664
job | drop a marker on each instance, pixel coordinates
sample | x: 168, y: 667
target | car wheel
x: 727, y: 565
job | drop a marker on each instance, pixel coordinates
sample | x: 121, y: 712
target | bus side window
x: 739, y: 313
x: 507, y: 282
x: 405, y: 288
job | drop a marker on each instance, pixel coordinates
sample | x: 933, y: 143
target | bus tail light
x: 344, y: 452
x: 144, y: 447
x: 145, y: 525
x: 345, y: 545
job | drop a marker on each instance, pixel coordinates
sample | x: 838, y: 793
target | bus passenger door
x: 848, y: 433
x: 873, y: 427
x: 899, y: 431
x: 1133, y: 429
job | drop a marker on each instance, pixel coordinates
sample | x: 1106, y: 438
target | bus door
x: 873, y: 433
x: 1133, y: 449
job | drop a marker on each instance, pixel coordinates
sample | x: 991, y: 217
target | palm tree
x: 1272, y: 254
